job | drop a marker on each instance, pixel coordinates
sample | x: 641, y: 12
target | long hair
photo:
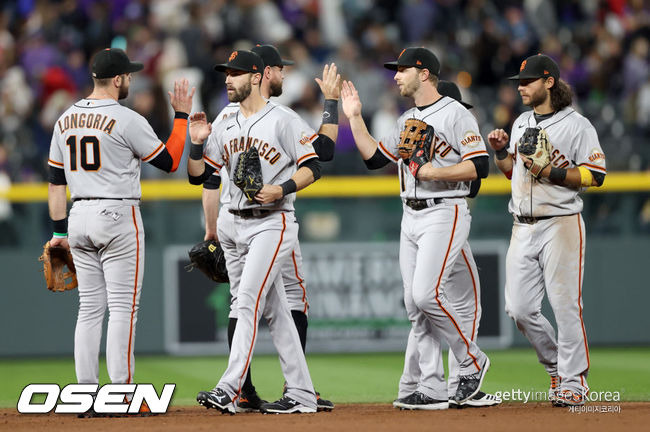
x: 561, y: 95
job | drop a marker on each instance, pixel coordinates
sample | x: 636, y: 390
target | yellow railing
x: 327, y: 187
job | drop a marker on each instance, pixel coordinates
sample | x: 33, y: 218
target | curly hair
x: 561, y: 95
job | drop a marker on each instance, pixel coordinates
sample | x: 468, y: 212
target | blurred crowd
x: 601, y: 46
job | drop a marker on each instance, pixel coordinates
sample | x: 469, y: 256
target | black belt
x: 421, y: 204
x: 251, y: 213
x: 103, y: 198
x: 531, y: 219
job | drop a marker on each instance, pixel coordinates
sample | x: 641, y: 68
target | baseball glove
x: 409, y: 137
x: 534, y: 145
x: 421, y: 150
x: 208, y: 257
x: 54, y: 259
x: 248, y: 173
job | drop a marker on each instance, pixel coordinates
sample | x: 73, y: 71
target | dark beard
x: 537, y: 99
x: 241, y: 94
x: 276, y: 89
x: 124, y: 92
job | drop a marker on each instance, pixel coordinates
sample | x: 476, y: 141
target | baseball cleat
x: 420, y: 401
x: 217, y: 399
x: 469, y: 385
x: 566, y: 398
x: 554, y: 388
x: 323, y: 404
x: 285, y: 405
x: 480, y: 399
x: 249, y: 403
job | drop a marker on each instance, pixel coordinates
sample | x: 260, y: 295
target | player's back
x: 99, y: 143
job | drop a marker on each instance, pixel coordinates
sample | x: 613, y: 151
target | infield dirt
x: 355, y: 418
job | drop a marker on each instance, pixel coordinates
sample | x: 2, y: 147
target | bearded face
x: 276, y: 88
x: 239, y: 93
x: 533, y: 93
x: 124, y: 87
x: 407, y: 80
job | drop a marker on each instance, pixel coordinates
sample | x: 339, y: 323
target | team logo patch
x: 471, y: 139
x: 523, y: 65
x: 596, y: 157
x: 305, y: 138
x: 232, y: 56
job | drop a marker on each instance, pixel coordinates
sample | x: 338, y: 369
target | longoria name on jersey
x: 97, y: 121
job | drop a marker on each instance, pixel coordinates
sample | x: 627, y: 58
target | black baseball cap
x: 537, y: 66
x: 270, y: 55
x: 242, y: 60
x: 448, y: 88
x: 421, y: 58
x: 111, y: 62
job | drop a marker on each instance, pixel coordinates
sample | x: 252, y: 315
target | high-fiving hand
x: 199, y: 127
x: 330, y: 85
x: 351, y: 102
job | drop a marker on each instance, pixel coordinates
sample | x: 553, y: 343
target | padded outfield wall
x: 349, y: 234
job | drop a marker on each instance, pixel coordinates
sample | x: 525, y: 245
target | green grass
x: 341, y: 377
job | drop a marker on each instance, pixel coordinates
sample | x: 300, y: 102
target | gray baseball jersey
x: 292, y: 274
x: 456, y: 139
x: 284, y: 141
x: 224, y: 197
x: 548, y: 255
x: 574, y: 142
x: 282, y: 138
x: 99, y: 144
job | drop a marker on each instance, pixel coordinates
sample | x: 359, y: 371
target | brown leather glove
x: 54, y: 259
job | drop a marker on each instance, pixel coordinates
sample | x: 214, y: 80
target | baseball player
x: 464, y: 294
x: 547, y: 247
x: 292, y: 275
x: 263, y: 232
x: 436, y: 220
x: 96, y: 150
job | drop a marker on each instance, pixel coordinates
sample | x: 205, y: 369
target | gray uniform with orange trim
x: 259, y: 238
x: 435, y: 259
x: 100, y: 145
x: 292, y: 273
x: 548, y: 254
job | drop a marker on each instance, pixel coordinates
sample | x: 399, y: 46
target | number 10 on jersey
x: 84, y: 144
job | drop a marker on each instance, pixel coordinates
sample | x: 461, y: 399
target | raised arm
x: 330, y: 86
x: 199, y: 131
x: 351, y: 104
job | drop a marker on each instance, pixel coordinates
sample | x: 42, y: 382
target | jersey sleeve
x: 588, y: 152
x: 55, y: 158
x: 141, y: 139
x: 299, y: 136
x: 213, y: 153
x: 467, y: 138
x: 387, y: 145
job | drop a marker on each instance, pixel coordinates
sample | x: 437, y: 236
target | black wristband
x: 60, y: 226
x: 331, y: 111
x: 288, y: 187
x: 181, y: 115
x: 557, y: 176
x: 196, y: 151
x: 502, y: 154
